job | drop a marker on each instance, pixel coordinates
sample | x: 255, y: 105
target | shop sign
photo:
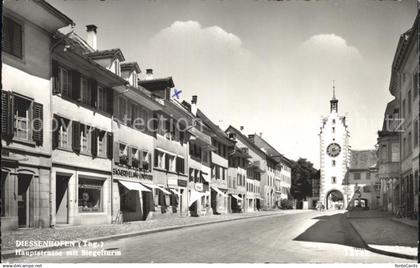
x: 182, y: 183
x: 129, y: 173
x: 198, y: 187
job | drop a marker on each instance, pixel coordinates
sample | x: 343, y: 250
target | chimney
x: 91, y: 37
x: 149, y: 74
x: 194, y: 105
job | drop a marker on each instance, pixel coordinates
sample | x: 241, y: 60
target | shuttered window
x: 12, y: 37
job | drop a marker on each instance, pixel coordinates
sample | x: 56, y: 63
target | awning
x: 153, y: 186
x: 205, y: 176
x: 218, y: 191
x: 194, y: 197
x: 134, y: 186
x: 175, y: 191
x: 259, y: 198
x: 236, y: 197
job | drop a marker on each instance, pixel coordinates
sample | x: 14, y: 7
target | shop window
x: 85, y: 139
x: 64, y: 133
x: 12, y: 37
x: 85, y: 91
x: 22, y: 117
x: 90, y: 195
x: 135, y: 159
x: 102, y: 143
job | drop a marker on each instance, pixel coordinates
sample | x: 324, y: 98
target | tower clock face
x: 333, y: 149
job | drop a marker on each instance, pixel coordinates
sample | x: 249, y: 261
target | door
x: 148, y: 204
x: 61, y: 199
x: 24, y: 182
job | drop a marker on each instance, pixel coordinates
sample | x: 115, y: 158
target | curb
x: 412, y: 226
x: 380, y: 251
x: 8, y: 254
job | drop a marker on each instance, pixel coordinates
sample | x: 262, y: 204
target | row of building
x: 398, y: 140
x: 86, y: 141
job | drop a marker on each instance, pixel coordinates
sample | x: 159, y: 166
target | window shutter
x: 156, y: 159
x: 55, y: 78
x: 116, y: 153
x: 94, y: 142
x: 166, y: 161
x: 141, y: 159
x: 17, y: 42
x: 75, y: 83
x: 149, y: 155
x: 6, y: 115
x: 55, y: 131
x: 110, y: 100
x: 129, y: 156
x: 38, y: 129
x: 110, y: 145
x: 94, y: 92
x: 76, y: 136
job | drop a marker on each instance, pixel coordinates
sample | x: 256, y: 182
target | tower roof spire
x: 334, y: 101
x: 334, y: 90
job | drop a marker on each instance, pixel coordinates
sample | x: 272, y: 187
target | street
x: 299, y: 237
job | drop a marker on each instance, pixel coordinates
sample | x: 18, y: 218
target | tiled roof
x: 215, y: 128
x: 160, y: 83
x: 128, y: 66
x: 363, y: 159
x: 100, y: 54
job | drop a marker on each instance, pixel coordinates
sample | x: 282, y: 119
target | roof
x: 55, y: 12
x: 215, y: 128
x: 246, y: 140
x: 157, y: 84
x: 363, y: 159
x: 129, y: 66
x: 108, y: 53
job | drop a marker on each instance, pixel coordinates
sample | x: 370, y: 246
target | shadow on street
x: 333, y: 229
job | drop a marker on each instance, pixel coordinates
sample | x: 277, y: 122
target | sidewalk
x: 384, y: 235
x: 110, y: 231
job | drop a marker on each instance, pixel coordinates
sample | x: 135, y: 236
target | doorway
x: 61, y: 199
x: 24, y: 181
x: 148, y: 204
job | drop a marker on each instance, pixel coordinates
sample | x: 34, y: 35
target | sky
x: 267, y: 65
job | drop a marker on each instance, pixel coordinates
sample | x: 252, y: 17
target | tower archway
x: 334, y: 200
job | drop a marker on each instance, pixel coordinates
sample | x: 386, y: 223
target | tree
x: 303, y: 173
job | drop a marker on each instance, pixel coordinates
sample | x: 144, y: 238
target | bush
x: 286, y: 204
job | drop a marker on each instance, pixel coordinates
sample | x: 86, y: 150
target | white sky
x: 266, y: 65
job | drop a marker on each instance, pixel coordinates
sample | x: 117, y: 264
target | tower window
x: 333, y: 129
x: 333, y: 180
x: 333, y: 163
x: 333, y: 121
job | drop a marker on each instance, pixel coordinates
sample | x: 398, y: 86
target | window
x: 135, y: 159
x: 395, y: 152
x: 171, y: 162
x: 180, y: 165
x: 333, y: 180
x: 416, y: 133
x: 333, y: 163
x: 64, y: 133
x: 409, y: 148
x: 146, y: 161
x: 409, y: 102
x: 368, y: 175
x: 117, y: 67
x: 159, y: 159
x: 403, y: 108
x: 85, y: 91
x: 12, y: 37
x: 333, y: 121
x: 85, y: 139
x: 101, y: 98
x: 101, y: 139
x: 64, y: 81
x: 90, y: 195
x: 356, y: 176
x: 333, y: 129
x: 22, y: 115
x: 122, y: 104
x: 123, y: 154
x: 384, y: 152
x: 404, y: 148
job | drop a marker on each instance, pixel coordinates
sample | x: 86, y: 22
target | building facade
x: 334, y: 155
x: 26, y: 112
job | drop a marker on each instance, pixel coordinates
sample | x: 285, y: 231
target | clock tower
x: 334, y: 156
